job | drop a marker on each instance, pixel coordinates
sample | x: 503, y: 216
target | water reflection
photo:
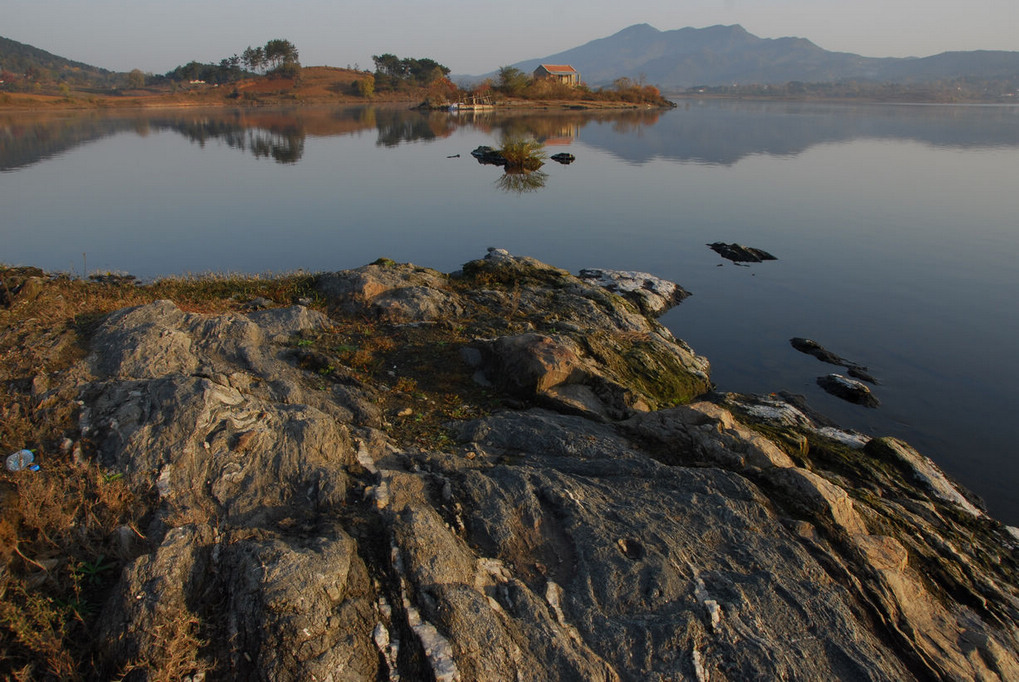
x: 521, y: 183
x: 396, y: 126
x: 711, y: 132
x: 725, y: 132
x: 282, y: 141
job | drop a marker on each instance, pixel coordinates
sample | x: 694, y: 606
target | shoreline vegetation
x: 421, y: 455
x: 323, y: 85
x: 272, y: 75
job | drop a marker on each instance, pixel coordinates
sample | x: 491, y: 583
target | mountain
x: 727, y: 55
x: 31, y: 63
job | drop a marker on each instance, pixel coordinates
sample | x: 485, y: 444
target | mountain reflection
x: 709, y: 132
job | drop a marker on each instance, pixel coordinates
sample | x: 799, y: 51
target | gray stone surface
x: 294, y: 538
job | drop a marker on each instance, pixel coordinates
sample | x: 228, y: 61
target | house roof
x: 558, y: 68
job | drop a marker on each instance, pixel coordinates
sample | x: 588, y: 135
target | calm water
x: 896, y: 229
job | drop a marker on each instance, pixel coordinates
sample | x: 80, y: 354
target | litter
x: 22, y: 459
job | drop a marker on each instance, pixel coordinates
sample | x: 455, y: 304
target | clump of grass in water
x: 523, y: 156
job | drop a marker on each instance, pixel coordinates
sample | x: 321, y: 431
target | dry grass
x: 60, y: 527
x: 175, y: 655
x: 59, y: 553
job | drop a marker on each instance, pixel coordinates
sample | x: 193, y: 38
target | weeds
x: 523, y: 155
x: 56, y: 524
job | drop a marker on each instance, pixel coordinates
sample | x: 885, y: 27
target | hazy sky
x: 477, y: 36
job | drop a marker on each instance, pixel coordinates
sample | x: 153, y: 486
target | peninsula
x: 504, y: 473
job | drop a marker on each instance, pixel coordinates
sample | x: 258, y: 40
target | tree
x: 253, y: 58
x: 279, y: 52
x: 136, y: 79
x: 392, y: 72
x: 512, y: 80
x: 389, y: 65
x: 366, y: 86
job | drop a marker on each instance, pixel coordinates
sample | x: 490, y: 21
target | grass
x: 58, y: 553
x: 523, y: 156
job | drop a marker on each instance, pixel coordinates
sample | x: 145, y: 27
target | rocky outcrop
x: 738, y: 253
x: 653, y: 295
x: 612, y: 520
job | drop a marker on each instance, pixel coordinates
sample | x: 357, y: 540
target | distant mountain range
x: 728, y: 55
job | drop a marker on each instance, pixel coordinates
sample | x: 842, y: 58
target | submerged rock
x: 489, y: 156
x: 811, y: 347
x: 622, y: 524
x: 848, y: 389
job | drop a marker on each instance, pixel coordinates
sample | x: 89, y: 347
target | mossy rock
x: 649, y: 367
x: 501, y: 269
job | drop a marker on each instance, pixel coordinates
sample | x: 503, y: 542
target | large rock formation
x: 615, y: 521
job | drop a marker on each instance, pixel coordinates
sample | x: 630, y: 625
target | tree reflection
x: 396, y: 126
x: 521, y: 183
x: 283, y: 147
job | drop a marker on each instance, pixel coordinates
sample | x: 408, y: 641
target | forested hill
x: 24, y: 61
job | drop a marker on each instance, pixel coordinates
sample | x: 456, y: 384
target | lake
x: 896, y: 229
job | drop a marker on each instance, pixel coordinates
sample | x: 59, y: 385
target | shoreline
x: 394, y: 459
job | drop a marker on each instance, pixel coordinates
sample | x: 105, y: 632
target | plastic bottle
x: 22, y: 459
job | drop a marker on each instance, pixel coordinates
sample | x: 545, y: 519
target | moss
x: 646, y: 367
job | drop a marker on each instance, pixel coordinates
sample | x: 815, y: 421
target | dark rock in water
x: 738, y: 253
x: 811, y: 347
x: 563, y: 158
x: 848, y: 389
x: 488, y: 155
x: 861, y: 373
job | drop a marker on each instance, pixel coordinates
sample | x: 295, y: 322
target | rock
x: 861, y: 373
x: 489, y: 156
x: 811, y: 347
x: 563, y: 158
x: 786, y: 412
x: 20, y: 283
x: 632, y: 527
x: 652, y: 294
x: 531, y: 363
x: 923, y: 470
x: 738, y: 253
x: 390, y: 291
x: 703, y: 431
x: 848, y: 389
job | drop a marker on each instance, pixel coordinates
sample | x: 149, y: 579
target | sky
x: 478, y: 36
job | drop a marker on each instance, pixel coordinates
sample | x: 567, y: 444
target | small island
x: 506, y: 472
